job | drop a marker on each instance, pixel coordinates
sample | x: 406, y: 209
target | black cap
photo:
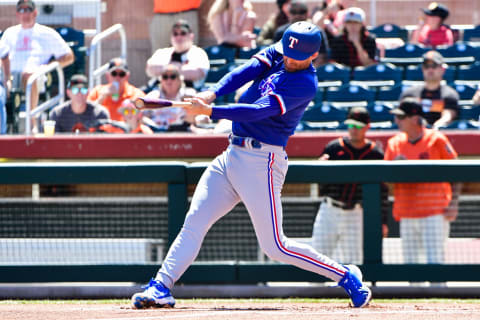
x: 358, y: 116
x: 77, y: 79
x: 117, y: 63
x: 182, y: 24
x: 437, y: 10
x: 409, y: 106
x: 433, y: 56
x: 280, y: 3
x: 25, y: 3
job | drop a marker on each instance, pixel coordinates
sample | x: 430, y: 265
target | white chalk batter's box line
x: 203, y: 314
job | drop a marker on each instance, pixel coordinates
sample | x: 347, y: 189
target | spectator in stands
x: 133, y: 117
x: 432, y: 31
x: 339, y: 221
x: 116, y: 90
x: 192, y: 60
x: 439, y: 101
x: 172, y: 87
x: 5, y: 87
x: 476, y: 98
x: 166, y: 14
x: 332, y: 17
x: 354, y: 46
x: 274, y: 22
x: 423, y: 209
x: 232, y: 23
x: 77, y: 115
x: 32, y: 46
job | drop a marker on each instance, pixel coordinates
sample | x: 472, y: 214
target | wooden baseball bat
x: 155, y: 103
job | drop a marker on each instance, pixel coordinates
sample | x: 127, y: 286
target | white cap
x: 354, y: 14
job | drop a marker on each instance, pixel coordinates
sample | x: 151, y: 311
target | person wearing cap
x: 331, y: 19
x: 77, y: 114
x: 172, y: 87
x: 338, y: 225
x: 117, y: 88
x: 192, y: 60
x: 253, y: 167
x: 279, y: 18
x: 354, y: 46
x: 166, y: 13
x: 32, y: 46
x: 439, y: 100
x: 232, y: 23
x: 432, y: 31
x: 133, y: 117
x: 423, y: 209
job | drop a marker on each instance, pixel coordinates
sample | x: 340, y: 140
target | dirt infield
x: 242, y: 310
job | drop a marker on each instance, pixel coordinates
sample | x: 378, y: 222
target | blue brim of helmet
x: 292, y: 54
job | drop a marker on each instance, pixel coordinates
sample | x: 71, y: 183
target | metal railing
x: 95, y: 69
x: 59, y: 98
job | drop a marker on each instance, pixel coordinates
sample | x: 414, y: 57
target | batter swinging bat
x: 154, y: 103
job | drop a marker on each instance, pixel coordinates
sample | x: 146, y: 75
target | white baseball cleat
x: 155, y: 295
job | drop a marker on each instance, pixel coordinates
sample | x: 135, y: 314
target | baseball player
x: 339, y: 222
x: 253, y: 167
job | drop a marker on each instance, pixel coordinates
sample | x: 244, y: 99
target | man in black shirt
x: 439, y: 101
x: 338, y: 227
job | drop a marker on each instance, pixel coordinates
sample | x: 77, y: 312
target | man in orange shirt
x: 423, y: 209
x: 112, y: 94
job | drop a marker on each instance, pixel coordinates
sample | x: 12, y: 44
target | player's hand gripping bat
x: 155, y: 103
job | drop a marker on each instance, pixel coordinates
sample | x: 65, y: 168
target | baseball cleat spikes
x: 359, y: 293
x: 156, y: 295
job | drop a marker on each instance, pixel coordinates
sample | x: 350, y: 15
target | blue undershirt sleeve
x: 239, y: 76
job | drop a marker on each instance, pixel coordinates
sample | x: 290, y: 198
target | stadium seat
x: 76, y: 41
x: 459, y: 53
x: 380, y: 112
x: 377, y: 75
x: 245, y: 54
x: 349, y: 95
x: 405, y: 55
x: 414, y: 73
x: 469, y: 74
x: 461, y: 125
x: 472, y: 35
x: 219, y: 55
x: 214, y: 75
x: 389, y: 30
x: 324, y: 113
x: 389, y: 93
x: 470, y: 113
x: 465, y: 92
x: 333, y: 74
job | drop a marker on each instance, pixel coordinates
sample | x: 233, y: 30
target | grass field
x: 242, y: 309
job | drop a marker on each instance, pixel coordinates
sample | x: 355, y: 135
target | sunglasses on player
x: 120, y: 74
x: 169, y: 76
x: 76, y: 90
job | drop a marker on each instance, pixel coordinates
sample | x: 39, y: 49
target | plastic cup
x: 49, y: 127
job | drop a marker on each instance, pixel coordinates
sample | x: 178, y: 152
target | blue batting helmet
x: 300, y: 41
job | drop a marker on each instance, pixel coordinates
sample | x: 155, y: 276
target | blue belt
x: 245, y: 142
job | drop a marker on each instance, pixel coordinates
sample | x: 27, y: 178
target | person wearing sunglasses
x: 117, y: 88
x: 191, y: 60
x: 338, y: 226
x: 32, y: 46
x: 424, y: 210
x: 171, y: 87
x: 76, y: 114
x: 133, y: 117
x: 439, y: 100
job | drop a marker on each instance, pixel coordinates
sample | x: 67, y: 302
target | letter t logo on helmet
x: 300, y: 41
x: 293, y: 42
